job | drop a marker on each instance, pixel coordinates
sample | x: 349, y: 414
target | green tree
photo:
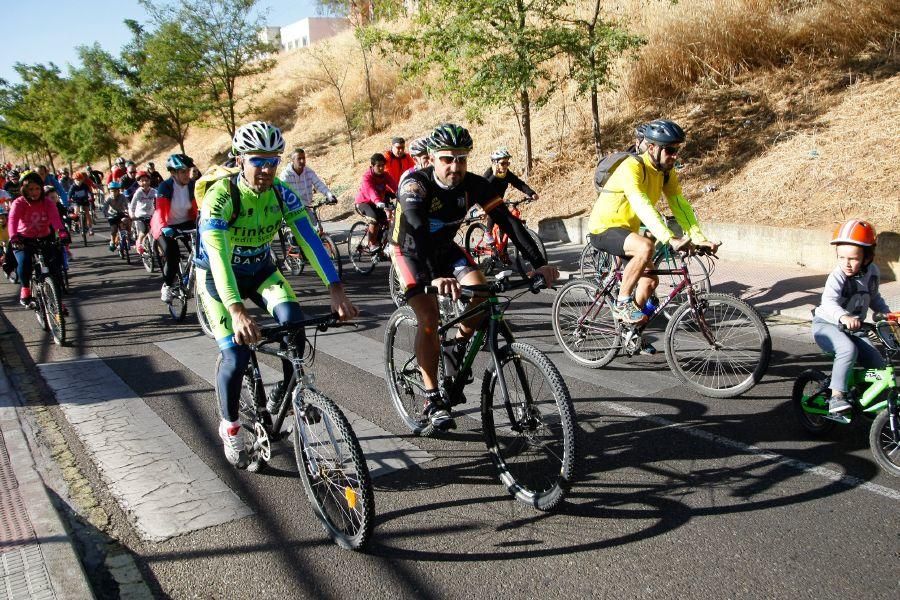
x: 591, y: 44
x: 226, y: 40
x: 486, y: 54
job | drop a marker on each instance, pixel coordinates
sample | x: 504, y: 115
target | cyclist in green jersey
x: 234, y: 263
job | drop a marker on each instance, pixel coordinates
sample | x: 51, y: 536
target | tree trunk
x: 51, y: 165
x: 595, y: 113
x: 372, y: 128
x: 525, y: 105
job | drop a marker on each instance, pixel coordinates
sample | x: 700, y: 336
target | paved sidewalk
x: 37, y: 558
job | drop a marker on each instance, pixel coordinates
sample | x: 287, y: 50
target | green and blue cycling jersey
x: 240, y: 249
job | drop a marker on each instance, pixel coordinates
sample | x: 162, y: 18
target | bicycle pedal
x: 838, y: 419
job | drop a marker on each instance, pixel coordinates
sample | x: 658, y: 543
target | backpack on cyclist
x: 608, y: 164
x: 217, y: 172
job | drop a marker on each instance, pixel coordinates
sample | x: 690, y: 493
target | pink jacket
x: 33, y: 220
x: 374, y: 188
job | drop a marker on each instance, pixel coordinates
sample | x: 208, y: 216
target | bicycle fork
x: 516, y: 423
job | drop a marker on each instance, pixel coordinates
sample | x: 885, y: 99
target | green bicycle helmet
x: 448, y: 136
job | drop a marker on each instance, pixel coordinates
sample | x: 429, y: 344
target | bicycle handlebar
x: 274, y: 332
x: 503, y: 284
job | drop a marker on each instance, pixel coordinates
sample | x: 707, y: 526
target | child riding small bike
x: 851, y: 289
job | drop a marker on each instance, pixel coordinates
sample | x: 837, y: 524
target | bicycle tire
x: 402, y: 371
x: 148, y: 260
x: 810, y: 382
x: 396, y: 287
x: 554, y: 417
x: 56, y: 321
x: 885, y: 451
x: 523, y: 266
x: 482, y: 254
x: 358, y: 248
x: 294, y: 264
x: 699, y: 280
x: 179, y: 303
x: 747, y: 338
x: 595, y: 263
x: 205, y: 325
x: 334, y: 252
x: 127, y: 251
x: 594, y: 342
x: 39, y: 312
x: 84, y: 228
x: 334, y: 472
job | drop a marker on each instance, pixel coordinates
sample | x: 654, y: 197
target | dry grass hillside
x: 788, y: 105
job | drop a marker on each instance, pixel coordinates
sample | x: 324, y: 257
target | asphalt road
x: 679, y: 495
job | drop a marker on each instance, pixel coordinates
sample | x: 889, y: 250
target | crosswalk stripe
x: 164, y: 488
x: 385, y: 452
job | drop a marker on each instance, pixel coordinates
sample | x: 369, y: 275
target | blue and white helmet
x: 257, y: 136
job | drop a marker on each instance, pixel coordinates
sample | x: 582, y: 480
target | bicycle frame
x: 605, y: 290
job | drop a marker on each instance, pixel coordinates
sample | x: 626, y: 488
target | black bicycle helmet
x: 448, y: 136
x: 177, y: 162
x: 663, y: 132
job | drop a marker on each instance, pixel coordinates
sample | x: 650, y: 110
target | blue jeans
x: 848, y: 350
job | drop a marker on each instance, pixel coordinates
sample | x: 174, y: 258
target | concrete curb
x: 806, y: 248
x: 63, y: 566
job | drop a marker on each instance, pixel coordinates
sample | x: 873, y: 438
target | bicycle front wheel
x: 56, y: 321
x: 584, y: 324
x: 594, y: 263
x: 881, y: 441
x: 402, y: 371
x: 530, y: 436
x: 358, y: 248
x: 201, y: 315
x: 722, y: 349
x: 481, y: 252
x: 523, y: 266
x: 179, y: 303
x: 84, y: 228
x: 334, y: 471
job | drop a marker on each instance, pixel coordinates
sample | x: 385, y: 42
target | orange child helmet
x: 856, y: 232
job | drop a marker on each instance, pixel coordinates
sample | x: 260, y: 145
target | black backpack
x: 608, y: 164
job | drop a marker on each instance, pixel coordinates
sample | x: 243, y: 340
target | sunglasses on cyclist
x: 264, y: 162
x: 450, y: 158
x: 671, y: 150
x: 503, y: 163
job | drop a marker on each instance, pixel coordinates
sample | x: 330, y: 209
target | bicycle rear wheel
x: 531, y: 438
x: 810, y: 393
x: 584, y: 325
x: 256, y: 437
x: 402, y: 371
x: 56, y: 321
x: 396, y: 286
x: 721, y: 350
x: 82, y: 218
x: 358, y: 248
x: 881, y: 441
x: 334, y: 471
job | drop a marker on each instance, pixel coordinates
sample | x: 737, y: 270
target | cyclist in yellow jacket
x: 628, y: 199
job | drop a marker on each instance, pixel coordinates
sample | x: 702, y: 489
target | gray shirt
x: 851, y: 295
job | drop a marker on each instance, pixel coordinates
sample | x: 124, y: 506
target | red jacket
x: 397, y: 166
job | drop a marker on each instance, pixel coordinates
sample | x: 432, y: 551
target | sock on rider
x: 231, y: 427
x: 25, y: 292
x: 624, y: 299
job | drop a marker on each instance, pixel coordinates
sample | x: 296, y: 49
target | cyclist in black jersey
x: 500, y: 178
x: 432, y: 204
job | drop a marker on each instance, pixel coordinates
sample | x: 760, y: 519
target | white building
x: 270, y: 35
x: 311, y: 30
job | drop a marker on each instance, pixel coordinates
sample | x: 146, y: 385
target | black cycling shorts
x: 612, y: 240
x: 367, y: 209
x: 452, y: 261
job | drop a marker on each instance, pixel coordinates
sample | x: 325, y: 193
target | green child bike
x: 872, y: 392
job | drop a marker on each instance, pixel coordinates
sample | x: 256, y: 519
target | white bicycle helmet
x: 257, y: 136
x: 500, y: 153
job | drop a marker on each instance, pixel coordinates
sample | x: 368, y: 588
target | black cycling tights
x: 171, y: 250
x: 235, y: 359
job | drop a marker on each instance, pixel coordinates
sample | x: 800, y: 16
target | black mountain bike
x: 46, y: 288
x: 329, y: 459
x: 527, y: 416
